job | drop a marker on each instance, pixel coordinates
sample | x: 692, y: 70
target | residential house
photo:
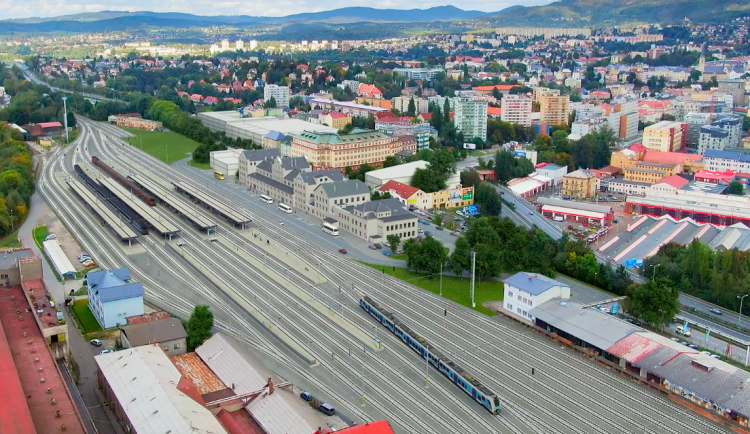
x: 580, y: 184
x: 112, y: 298
x: 169, y: 334
x: 524, y: 290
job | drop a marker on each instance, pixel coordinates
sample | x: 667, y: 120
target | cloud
x: 50, y: 8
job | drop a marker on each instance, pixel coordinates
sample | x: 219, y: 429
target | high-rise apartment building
x: 470, y: 118
x: 553, y: 109
x: 665, y: 136
x: 516, y: 109
x: 239, y: 45
x: 695, y: 121
x: 279, y: 93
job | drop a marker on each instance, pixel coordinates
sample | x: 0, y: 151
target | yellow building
x: 449, y: 198
x: 580, y: 184
x: 331, y: 150
x: 553, y: 109
x: 335, y: 120
x: 665, y: 136
x: 650, y: 172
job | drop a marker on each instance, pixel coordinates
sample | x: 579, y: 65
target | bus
x: 285, y: 208
x: 330, y: 229
x: 218, y: 175
x: 266, y: 199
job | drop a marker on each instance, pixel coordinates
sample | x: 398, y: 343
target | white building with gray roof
x: 327, y: 196
x: 275, y: 178
x: 524, y: 290
x: 374, y: 221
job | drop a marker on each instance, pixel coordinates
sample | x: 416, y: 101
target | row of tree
x: 16, y: 180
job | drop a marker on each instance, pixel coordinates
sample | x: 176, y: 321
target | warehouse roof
x: 604, y: 209
x: 590, y: 325
x: 406, y: 169
x: 146, y: 384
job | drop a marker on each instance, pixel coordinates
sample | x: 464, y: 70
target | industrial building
x: 578, y: 212
x: 226, y: 162
x: 403, y: 174
x: 256, y: 128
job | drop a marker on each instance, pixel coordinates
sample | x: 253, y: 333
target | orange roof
x: 337, y: 115
x: 368, y: 89
x: 500, y: 87
x: 670, y: 157
x: 637, y: 147
x: 655, y: 104
x: 403, y: 190
x: 494, y: 111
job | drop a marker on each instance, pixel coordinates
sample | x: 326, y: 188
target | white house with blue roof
x: 112, y: 298
x: 523, y: 291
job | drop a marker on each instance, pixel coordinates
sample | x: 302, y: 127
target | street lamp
x: 653, y: 276
x: 739, y: 317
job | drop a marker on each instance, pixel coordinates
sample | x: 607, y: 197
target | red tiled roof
x: 147, y: 317
x: 670, y: 157
x: 50, y: 124
x: 494, y: 111
x: 239, y: 422
x: 337, y: 115
x: 727, y: 175
x: 380, y: 427
x: 368, y: 89
x: 675, y: 181
x: 500, y: 87
x: 426, y: 116
x: 637, y: 147
x: 655, y: 104
x: 192, y: 367
x: 188, y: 388
x: 403, y: 190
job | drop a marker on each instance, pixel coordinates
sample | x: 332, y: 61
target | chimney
x: 270, y: 386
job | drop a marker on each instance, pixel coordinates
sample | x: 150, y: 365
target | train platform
x: 160, y: 224
x: 120, y: 227
x: 235, y: 217
x: 174, y: 202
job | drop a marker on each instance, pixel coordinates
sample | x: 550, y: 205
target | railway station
x: 120, y: 227
x: 161, y: 225
x: 175, y: 203
x: 235, y: 217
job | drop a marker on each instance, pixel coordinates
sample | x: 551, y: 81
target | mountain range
x: 562, y: 13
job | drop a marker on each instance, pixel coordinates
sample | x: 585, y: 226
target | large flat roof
x: 406, y: 169
x: 145, y: 383
x: 8, y: 258
x: 590, y: 325
x: 15, y: 417
x: 59, y: 260
x: 30, y: 353
x: 572, y: 204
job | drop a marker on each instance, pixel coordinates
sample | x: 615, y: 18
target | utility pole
x: 441, y: 279
x: 65, y: 118
x: 364, y: 362
x: 473, y: 269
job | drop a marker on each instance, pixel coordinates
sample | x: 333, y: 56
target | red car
x: 342, y: 251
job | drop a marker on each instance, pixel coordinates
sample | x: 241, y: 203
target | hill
x: 574, y: 13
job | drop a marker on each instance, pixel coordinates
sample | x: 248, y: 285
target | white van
x: 680, y: 331
x: 558, y: 218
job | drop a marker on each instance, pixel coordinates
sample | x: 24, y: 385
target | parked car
x: 378, y: 245
x: 306, y: 396
x: 82, y: 254
x: 425, y: 222
x: 428, y: 234
x: 715, y: 311
x: 107, y: 351
x: 327, y: 409
x: 342, y: 251
x: 372, y: 247
x: 96, y: 342
x: 51, y: 237
x: 386, y: 253
x: 454, y: 233
x: 440, y: 228
x: 615, y: 221
x: 420, y: 230
x: 420, y: 221
x: 280, y: 222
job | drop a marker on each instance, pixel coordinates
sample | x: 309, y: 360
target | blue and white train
x: 455, y: 373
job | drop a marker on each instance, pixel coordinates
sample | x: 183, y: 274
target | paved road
x: 499, y: 354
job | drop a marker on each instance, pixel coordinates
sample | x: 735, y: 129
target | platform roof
x: 162, y: 225
x: 175, y: 202
x: 123, y: 229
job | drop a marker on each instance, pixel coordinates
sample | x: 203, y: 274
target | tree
x: 393, y: 242
x: 346, y: 129
x: 488, y: 199
x: 412, y: 108
x: 437, y: 220
x: 736, y: 187
x: 199, y: 326
x: 271, y: 103
x: 459, y: 260
x: 655, y: 302
x: 377, y: 195
x: 425, y: 180
x: 390, y: 161
x: 470, y: 178
x: 426, y: 256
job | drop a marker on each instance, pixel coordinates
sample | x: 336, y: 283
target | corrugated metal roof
x: 604, y: 209
x: 229, y: 364
x: 275, y: 414
x: 144, y: 382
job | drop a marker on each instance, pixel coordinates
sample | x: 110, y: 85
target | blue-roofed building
x: 720, y: 161
x: 112, y: 297
x: 524, y: 291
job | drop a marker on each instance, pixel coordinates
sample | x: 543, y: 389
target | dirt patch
x: 67, y: 241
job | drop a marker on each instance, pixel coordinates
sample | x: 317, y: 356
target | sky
x: 10, y: 9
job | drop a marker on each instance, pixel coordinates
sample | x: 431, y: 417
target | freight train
x: 146, y: 197
x: 462, y: 379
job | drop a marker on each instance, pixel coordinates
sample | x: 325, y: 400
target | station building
x: 576, y: 212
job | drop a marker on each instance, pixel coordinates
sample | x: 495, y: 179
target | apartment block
x: 665, y: 136
x: 516, y: 109
x: 695, y: 121
x: 713, y: 137
x: 554, y: 109
x: 331, y: 150
x: 401, y: 103
x: 650, y: 172
x: 470, y: 118
x: 278, y: 93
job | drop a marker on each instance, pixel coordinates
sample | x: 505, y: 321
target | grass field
x: 84, y: 317
x: 162, y: 144
x: 453, y: 288
x: 10, y: 241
